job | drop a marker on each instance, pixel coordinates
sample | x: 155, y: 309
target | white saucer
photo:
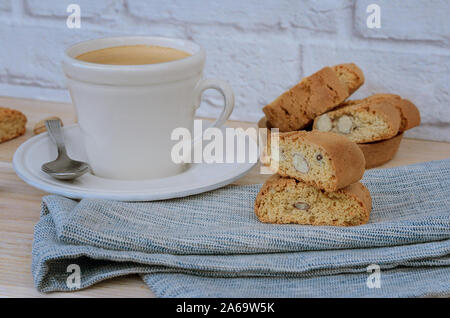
x: 197, y: 178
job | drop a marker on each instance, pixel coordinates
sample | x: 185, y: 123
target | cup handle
x: 228, y: 97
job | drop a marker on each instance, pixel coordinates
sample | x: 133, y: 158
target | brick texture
x: 5, y: 5
x: 247, y: 63
x: 89, y: 8
x: 261, y: 47
x: 406, y: 20
x: 249, y: 14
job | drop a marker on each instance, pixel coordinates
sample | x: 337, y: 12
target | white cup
x: 127, y: 113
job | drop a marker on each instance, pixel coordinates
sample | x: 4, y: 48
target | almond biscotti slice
x: 286, y: 200
x: 12, y: 124
x: 362, y: 121
x: 325, y: 160
x: 351, y: 75
x: 410, y: 115
x: 314, y: 95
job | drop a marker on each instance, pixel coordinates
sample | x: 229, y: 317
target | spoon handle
x: 56, y: 134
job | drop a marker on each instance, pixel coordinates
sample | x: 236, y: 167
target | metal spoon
x: 63, y: 167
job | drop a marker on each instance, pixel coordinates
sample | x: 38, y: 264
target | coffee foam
x: 133, y: 55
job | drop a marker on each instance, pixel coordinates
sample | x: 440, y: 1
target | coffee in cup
x: 133, y: 55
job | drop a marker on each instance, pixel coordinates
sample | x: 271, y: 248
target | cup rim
x: 143, y: 74
x: 73, y: 60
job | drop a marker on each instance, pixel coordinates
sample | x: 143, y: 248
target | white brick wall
x: 260, y: 46
x: 5, y: 5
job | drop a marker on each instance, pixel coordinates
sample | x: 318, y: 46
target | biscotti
x: 410, y: 115
x: 40, y: 127
x: 263, y: 123
x: 362, y: 121
x: 314, y: 95
x: 325, y: 160
x: 12, y: 124
x: 351, y: 75
x: 380, y: 152
x: 285, y: 200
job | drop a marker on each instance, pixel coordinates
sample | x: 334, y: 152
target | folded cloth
x: 212, y: 245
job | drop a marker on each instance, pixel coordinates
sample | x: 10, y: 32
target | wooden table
x: 20, y: 206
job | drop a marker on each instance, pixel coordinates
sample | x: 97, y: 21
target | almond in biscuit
x: 364, y: 121
x: 288, y: 201
x: 327, y: 161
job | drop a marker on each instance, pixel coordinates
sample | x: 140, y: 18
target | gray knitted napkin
x: 212, y: 245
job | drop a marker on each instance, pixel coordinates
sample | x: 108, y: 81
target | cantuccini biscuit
x: 410, y: 115
x: 12, y: 124
x: 40, y: 127
x: 314, y: 95
x: 325, y: 160
x: 351, y: 75
x: 362, y: 121
x: 263, y: 123
x: 380, y: 152
x: 286, y: 200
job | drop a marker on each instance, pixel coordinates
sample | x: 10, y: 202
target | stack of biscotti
x: 375, y: 123
x: 317, y: 182
x: 314, y: 95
